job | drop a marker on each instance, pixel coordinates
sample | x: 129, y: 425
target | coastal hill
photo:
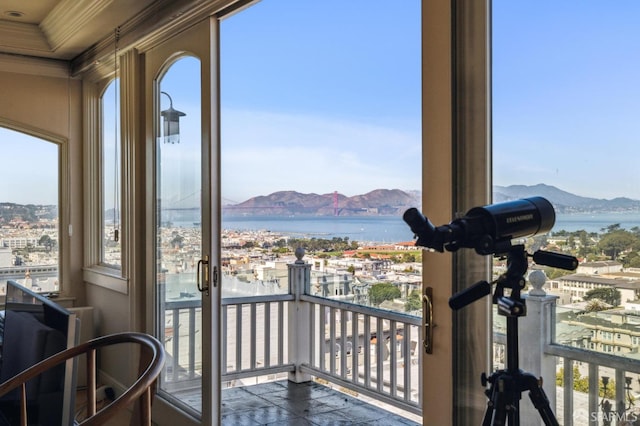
x: 388, y: 202
x: 30, y: 213
x: 377, y: 202
x: 565, y: 202
x: 395, y: 202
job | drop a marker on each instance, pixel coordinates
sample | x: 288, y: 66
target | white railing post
x: 534, y: 333
x: 299, y: 318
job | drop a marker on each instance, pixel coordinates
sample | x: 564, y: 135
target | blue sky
x: 29, y: 169
x: 323, y: 96
x: 566, y: 95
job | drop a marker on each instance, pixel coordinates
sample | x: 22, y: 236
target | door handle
x: 205, y: 287
x: 427, y: 309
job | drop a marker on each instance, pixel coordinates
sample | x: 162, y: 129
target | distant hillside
x: 564, y: 202
x: 26, y: 213
x: 377, y: 202
x: 395, y: 202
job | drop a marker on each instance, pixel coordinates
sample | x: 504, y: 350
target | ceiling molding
x: 70, y: 17
x: 34, y: 66
x: 83, y: 32
x: 16, y: 37
x: 158, y: 22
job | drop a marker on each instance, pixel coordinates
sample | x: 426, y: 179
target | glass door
x: 180, y: 257
x: 184, y: 291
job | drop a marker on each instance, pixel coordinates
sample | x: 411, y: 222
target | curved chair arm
x: 152, y: 354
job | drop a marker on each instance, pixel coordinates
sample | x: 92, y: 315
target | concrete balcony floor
x: 287, y: 403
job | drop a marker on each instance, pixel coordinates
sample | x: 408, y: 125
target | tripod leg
x: 500, y: 403
x: 539, y: 399
x: 488, y: 414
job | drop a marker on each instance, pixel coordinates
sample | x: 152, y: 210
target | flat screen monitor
x: 33, y: 328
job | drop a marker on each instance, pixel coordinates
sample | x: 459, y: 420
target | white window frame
x: 103, y: 169
x: 63, y: 189
x: 95, y: 271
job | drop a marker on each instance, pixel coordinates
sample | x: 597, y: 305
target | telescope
x: 488, y: 229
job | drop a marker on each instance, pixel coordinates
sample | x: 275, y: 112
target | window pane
x: 321, y: 147
x: 111, y: 246
x: 29, y: 218
x: 566, y: 102
x: 179, y: 229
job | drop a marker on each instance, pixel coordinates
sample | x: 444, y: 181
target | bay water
x: 391, y: 229
x: 367, y: 229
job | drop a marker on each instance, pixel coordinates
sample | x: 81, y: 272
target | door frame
x: 456, y: 168
x: 201, y: 41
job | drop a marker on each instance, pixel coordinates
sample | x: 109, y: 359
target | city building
x: 577, y: 286
x: 59, y: 58
x: 602, y: 267
x: 55, y: 71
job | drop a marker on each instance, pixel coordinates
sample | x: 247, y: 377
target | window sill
x: 106, y: 277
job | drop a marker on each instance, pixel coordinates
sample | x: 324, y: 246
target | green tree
x: 595, y: 305
x: 554, y: 273
x: 632, y: 260
x: 584, y: 243
x: 611, y: 228
x: 336, y: 244
x: 617, y: 241
x: 408, y: 257
x: 177, y: 241
x: 581, y: 384
x: 414, y: 301
x: 608, y: 295
x: 46, y: 242
x: 383, y: 291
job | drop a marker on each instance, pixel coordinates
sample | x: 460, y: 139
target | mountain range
x: 396, y: 201
x: 565, y: 202
x: 376, y: 202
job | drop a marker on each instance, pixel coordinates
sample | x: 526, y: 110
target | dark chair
x: 152, y: 357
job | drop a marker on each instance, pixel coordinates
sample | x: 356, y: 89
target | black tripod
x: 506, y: 386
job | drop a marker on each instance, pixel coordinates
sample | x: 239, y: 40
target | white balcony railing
x: 615, y: 407
x: 376, y: 353
x: 607, y: 399
x: 371, y: 351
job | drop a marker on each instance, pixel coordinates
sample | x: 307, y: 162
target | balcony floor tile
x: 287, y: 403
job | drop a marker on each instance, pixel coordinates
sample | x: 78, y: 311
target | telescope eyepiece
x: 421, y: 227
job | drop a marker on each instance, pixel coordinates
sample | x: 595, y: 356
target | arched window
x: 111, y: 248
